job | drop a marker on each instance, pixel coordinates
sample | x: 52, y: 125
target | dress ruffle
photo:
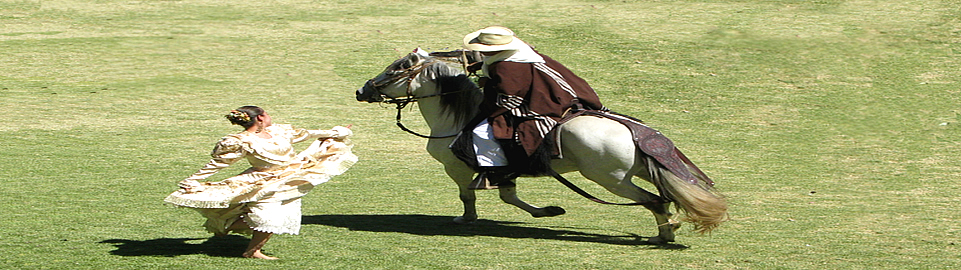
x: 313, y: 166
x: 268, y: 201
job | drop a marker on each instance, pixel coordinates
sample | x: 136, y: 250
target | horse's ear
x: 417, y: 56
x: 414, y: 58
x: 420, y: 52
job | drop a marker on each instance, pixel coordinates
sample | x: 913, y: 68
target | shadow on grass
x: 228, y: 246
x: 443, y: 225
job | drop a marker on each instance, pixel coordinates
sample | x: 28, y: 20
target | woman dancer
x: 264, y: 199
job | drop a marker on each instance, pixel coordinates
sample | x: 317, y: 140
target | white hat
x: 492, y: 39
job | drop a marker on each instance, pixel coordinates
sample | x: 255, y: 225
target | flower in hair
x: 238, y: 115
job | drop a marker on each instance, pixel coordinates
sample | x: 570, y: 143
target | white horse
x: 601, y: 149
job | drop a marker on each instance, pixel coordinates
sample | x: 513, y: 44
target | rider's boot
x: 493, y: 178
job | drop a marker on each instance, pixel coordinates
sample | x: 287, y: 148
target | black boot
x: 493, y: 178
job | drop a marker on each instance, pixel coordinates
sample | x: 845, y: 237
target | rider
x: 525, y: 94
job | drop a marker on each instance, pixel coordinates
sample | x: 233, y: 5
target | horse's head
x: 396, y: 80
x: 421, y: 75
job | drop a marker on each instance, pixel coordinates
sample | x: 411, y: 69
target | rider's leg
x: 492, y: 160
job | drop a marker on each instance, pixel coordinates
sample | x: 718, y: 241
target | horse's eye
x: 399, y: 68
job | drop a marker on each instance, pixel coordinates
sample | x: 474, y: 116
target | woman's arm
x: 228, y: 151
x: 337, y: 132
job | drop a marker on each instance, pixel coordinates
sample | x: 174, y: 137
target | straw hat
x: 492, y: 39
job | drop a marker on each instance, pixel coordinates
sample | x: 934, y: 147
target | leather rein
x: 402, y: 102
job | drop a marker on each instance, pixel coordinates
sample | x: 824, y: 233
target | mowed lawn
x: 833, y: 128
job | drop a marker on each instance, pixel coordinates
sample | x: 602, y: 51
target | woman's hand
x: 190, y: 186
x: 342, y: 132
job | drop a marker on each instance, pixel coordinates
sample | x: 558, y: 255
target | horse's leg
x: 620, y: 184
x: 460, y: 173
x: 662, y: 214
x: 509, y: 195
x: 665, y: 225
x: 604, y: 152
x: 462, y: 176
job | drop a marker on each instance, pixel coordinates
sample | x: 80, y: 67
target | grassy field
x: 834, y: 128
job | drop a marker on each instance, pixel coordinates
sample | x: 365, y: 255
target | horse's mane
x: 459, y: 95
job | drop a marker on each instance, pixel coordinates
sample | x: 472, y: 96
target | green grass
x: 834, y: 128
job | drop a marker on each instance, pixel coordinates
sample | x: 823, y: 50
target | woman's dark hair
x: 245, y: 116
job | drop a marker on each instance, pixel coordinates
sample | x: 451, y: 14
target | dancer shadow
x: 442, y: 225
x: 227, y: 246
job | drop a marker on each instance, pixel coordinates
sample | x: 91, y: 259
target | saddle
x: 652, y: 143
x: 647, y: 139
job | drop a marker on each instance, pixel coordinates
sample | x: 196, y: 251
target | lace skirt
x: 268, y: 201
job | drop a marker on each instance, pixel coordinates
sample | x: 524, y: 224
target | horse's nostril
x: 364, y: 93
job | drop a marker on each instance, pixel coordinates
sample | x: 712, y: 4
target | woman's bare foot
x: 258, y: 255
x: 256, y: 243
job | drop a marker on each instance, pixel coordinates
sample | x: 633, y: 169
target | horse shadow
x: 427, y: 225
x: 234, y: 245
x: 225, y: 246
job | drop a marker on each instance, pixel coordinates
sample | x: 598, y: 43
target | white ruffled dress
x: 267, y: 195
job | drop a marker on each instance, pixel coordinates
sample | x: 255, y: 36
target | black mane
x: 459, y: 95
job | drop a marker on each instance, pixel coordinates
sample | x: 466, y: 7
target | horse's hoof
x: 657, y: 240
x: 674, y: 225
x: 461, y: 220
x: 551, y: 211
x: 555, y: 210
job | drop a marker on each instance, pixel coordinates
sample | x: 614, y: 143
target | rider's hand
x: 474, y: 67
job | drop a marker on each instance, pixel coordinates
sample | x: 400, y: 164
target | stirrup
x: 500, y: 180
x: 481, y: 182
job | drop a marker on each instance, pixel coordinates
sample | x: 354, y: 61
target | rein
x: 403, y: 102
x: 579, y: 191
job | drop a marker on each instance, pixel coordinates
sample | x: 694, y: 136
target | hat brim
x: 472, y: 43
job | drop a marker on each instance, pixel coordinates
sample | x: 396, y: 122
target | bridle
x: 409, y: 74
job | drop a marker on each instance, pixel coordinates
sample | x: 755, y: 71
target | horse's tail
x: 700, y: 203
